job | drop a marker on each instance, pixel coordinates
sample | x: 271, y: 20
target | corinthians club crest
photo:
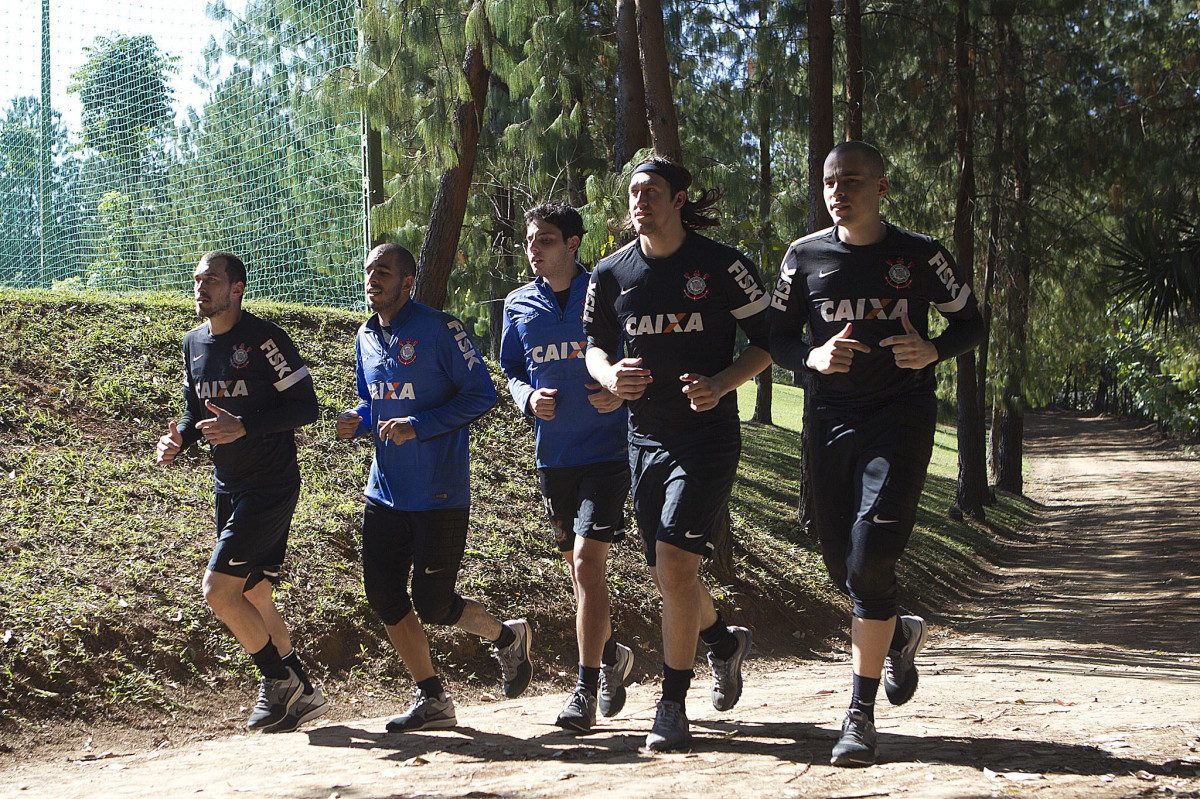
x: 240, y: 356
x: 899, y: 273
x: 696, y: 287
x: 408, y: 352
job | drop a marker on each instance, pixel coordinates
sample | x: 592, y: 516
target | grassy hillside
x: 101, y: 551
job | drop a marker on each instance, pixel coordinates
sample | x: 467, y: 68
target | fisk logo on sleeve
x: 275, y: 358
x: 470, y: 355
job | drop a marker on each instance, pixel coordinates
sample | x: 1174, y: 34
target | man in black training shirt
x: 245, y: 390
x: 677, y: 299
x: 864, y: 287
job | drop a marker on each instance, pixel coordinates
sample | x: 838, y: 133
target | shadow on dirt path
x: 1075, y: 674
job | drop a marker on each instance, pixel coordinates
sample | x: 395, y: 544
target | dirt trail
x: 1076, y: 675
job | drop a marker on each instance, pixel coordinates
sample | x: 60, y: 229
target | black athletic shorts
x: 868, y: 473
x: 681, y: 490
x: 252, y: 533
x: 429, y: 544
x: 586, y: 501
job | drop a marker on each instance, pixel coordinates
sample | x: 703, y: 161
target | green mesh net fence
x: 164, y: 129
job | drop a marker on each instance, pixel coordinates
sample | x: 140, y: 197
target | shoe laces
x: 509, y: 657
x: 579, y: 701
x: 668, y: 714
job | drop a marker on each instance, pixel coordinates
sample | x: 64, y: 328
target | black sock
x: 292, y: 661
x: 609, y: 658
x: 676, y: 683
x: 269, y: 664
x: 900, y: 636
x: 431, y: 686
x: 863, y: 699
x: 507, y: 636
x: 589, y: 679
x: 719, y: 640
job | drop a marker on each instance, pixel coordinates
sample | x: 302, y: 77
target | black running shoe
x: 305, y: 708
x: 514, y: 659
x: 426, y: 713
x: 580, y: 713
x: 275, y: 698
x: 856, y: 747
x: 670, y: 730
x: 899, y: 671
x: 727, y: 674
x: 612, y: 682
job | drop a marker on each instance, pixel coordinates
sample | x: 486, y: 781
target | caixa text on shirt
x: 855, y: 310
x: 391, y: 391
x: 558, y: 352
x: 211, y: 389
x: 653, y: 324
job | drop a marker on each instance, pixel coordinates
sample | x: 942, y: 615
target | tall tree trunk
x: 440, y: 247
x: 854, y: 70
x: 820, y: 142
x: 1009, y: 438
x: 764, y: 393
x: 660, y: 105
x: 504, y: 239
x: 820, y: 98
x: 972, y: 445
x: 632, y: 127
x: 994, y: 251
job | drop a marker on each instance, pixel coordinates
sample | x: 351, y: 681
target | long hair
x: 693, y: 214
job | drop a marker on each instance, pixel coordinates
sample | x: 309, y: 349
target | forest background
x: 1052, y: 145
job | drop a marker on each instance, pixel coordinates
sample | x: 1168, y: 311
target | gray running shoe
x: 514, y: 659
x: 856, y: 746
x: 275, y: 698
x: 612, y: 682
x: 670, y: 730
x: 727, y: 674
x: 580, y: 713
x: 426, y: 713
x: 899, y: 672
x: 305, y: 708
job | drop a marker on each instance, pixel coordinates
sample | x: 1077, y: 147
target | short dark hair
x: 405, y: 261
x: 867, y: 153
x: 235, y: 270
x: 559, y: 214
x: 679, y: 178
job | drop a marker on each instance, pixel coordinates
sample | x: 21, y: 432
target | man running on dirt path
x: 678, y: 299
x: 421, y: 382
x: 245, y: 391
x: 864, y: 288
x: 582, y: 458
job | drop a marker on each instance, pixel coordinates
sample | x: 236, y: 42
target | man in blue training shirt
x: 582, y: 459
x: 421, y: 382
x: 245, y: 390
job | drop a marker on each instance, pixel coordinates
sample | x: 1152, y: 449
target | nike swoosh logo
x: 599, y: 527
x: 197, y: 357
x: 830, y: 272
x: 626, y: 291
x: 431, y: 571
x: 877, y: 519
x: 238, y: 562
x: 690, y: 534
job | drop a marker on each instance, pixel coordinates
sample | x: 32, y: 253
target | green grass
x: 101, y: 551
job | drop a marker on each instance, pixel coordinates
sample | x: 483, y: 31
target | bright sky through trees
x: 179, y: 27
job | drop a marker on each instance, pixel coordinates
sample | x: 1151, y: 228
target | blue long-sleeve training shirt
x: 429, y: 370
x: 542, y: 346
